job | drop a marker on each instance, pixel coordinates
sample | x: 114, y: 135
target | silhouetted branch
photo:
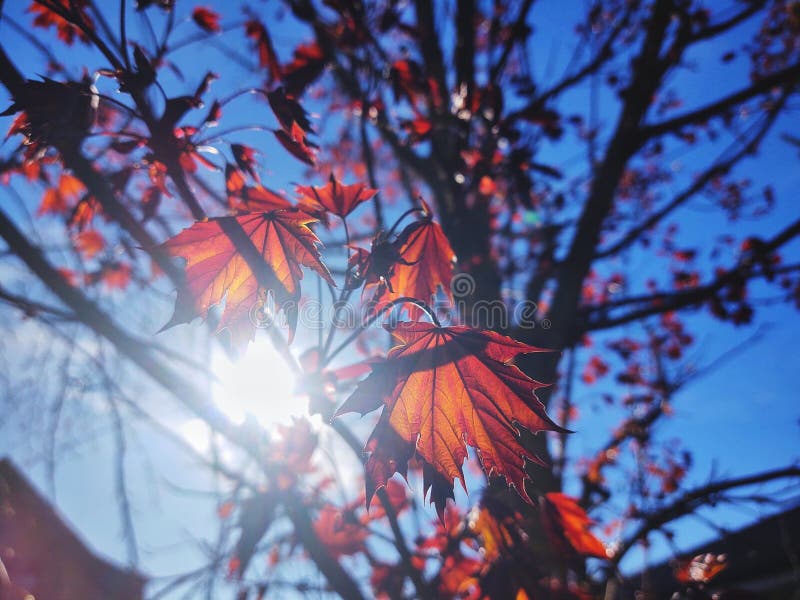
x: 692, y: 500
x: 789, y: 76
x: 720, y: 167
x: 662, y: 302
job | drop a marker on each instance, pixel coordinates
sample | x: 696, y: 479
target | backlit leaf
x: 335, y: 197
x: 446, y: 388
x: 426, y: 261
x: 267, y: 58
x: 569, y: 520
x: 238, y: 259
x: 340, y: 536
x: 297, y: 144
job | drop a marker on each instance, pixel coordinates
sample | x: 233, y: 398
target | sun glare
x: 258, y: 384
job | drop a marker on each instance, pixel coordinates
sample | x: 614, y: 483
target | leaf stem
x: 410, y: 211
x: 396, y: 302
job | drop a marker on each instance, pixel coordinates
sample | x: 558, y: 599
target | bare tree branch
x: 720, y: 167
x: 789, y: 76
x: 690, y: 501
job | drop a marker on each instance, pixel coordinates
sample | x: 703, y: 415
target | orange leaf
x: 239, y: 259
x: 494, y: 532
x: 487, y: 186
x: 261, y: 199
x: 448, y: 387
x: 234, y: 180
x: 458, y: 576
x: 426, y: 262
x: 573, y: 522
x: 59, y: 199
x: 267, y: 58
x: 296, y: 143
x: 84, y: 212
x: 115, y: 276
x: 251, y: 198
x: 335, y: 197
x: 226, y: 509
x: 89, y: 243
x: 340, y: 537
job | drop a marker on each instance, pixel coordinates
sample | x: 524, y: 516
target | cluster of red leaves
x: 416, y: 264
x: 65, y: 197
x: 50, y: 112
x: 441, y: 390
x: 307, y: 64
x: 334, y: 197
x: 62, y: 197
x: 67, y: 31
x: 289, y: 457
x: 454, y: 380
x: 342, y: 530
x: 487, y: 553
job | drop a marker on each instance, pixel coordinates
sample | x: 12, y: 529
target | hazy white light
x: 258, y: 384
x: 196, y: 432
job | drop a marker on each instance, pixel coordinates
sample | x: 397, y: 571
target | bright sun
x: 258, y: 384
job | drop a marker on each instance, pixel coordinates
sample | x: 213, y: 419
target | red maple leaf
x: 564, y: 518
x: 267, y: 58
x: 239, y: 259
x: 89, y: 243
x: 67, y: 32
x: 288, y: 110
x: 416, y: 264
x: 296, y: 143
x: 427, y: 261
x: 206, y: 19
x: 340, y: 536
x: 256, y: 198
x: 445, y: 388
x: 335, y: 197
x: 306, y: 65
